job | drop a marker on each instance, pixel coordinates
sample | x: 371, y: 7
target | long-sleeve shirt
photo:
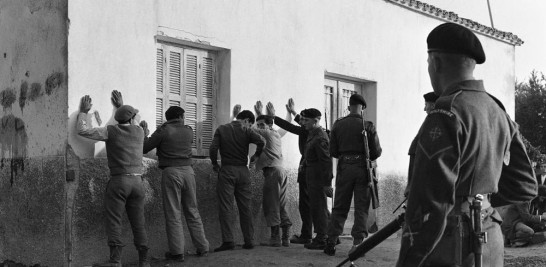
x: 173, y: 141
x: 232, y: 140
x: 300, y: 131
x: 515, y: 213
x: 272, y: 153
x: 94, y: 133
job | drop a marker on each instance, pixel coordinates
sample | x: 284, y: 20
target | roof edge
x: 430, y: 10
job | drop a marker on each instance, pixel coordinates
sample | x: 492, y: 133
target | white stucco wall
x: 276, y: 50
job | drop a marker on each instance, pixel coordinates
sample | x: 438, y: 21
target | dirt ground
x: 385, y: 254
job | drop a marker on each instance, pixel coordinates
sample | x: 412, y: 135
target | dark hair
x: 267, y: 119
x: 246, y: 114
x: 174, y: 112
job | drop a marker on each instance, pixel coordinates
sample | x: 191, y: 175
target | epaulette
x: 188, y: 126
x: 444, y: 103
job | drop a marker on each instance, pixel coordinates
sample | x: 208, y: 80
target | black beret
x: 357, y: 99
x: 454, y: 38
x: 430, y: 97
x: 310, y: 113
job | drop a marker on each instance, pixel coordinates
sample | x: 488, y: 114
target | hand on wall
x: 144, y: 126
x: 85, y: 104
x: 270, y: 109
x: 291, y: 107
x: 117, y: 99
x: 236, y: 110
x: 258, y: 108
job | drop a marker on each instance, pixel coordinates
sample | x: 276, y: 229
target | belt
x: 352, y: 157
x: 462, y: 204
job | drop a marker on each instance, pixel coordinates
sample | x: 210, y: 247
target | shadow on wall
x: 13, y: 134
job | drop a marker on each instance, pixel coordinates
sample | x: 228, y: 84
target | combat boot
x: 275, y: 240
x: 115, y: 258
x: 143, y: 260
x: 318, y: 243
x: 285, y: 236
x: 330, y: 249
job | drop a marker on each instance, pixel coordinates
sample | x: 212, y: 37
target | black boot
x: 330, y: 249
x: 225, y: 246
x: 143, y: 260
x: 115, y: 258
x: 318, y: 243
x: 285, y: 236
x: 275, y: 240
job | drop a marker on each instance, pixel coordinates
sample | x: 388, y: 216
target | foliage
x: 531, y: 113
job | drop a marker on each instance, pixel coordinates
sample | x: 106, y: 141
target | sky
x: 525, y: 18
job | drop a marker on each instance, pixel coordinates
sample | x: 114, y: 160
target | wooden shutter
x: 191, y: 70
x: 159, y: 86
x: 207, y: 101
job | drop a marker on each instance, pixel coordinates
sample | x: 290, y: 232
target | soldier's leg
x: 243, y: 196
x: 304, y: 207
x: 362, y: 204
x: 171, y: 185
x: 342, y: 203
x: 271, y: 201
x: 191, y: 212
x: 225, y: 190
x: 319, y: 209
x: 135, y: 211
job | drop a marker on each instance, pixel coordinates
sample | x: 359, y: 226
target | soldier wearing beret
x: 318, y: 169
x: 347, y: 144
x: 467, y: 145
x: 430, y: 100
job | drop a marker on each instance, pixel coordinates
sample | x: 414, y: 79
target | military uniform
x: 456, y: 157
x: 347, y: 144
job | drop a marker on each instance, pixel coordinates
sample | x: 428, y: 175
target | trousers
x: 274, y: 197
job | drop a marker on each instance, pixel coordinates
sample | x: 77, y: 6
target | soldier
x: 466, y: 146
x: 125, y: 191
x: 304, y: 206
x: 347, y: 144
x: 232, y: 140
x: 173, y: 141
x: 430, y: 102
x: 318, y: 168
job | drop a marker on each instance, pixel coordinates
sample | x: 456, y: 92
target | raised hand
x: 85, y: 104
x: 236, y: 110
x: 117, y: 99
x: 290, y: 107
x: 144, y: 126
x: 258, y: 108
x: 270, y: 109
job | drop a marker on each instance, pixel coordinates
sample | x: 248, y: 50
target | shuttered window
x: 186, y: 78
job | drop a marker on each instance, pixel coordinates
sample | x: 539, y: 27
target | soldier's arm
x: 297, y: 130
x: 322, y: 150
x: 334, y: 150
x: 432, y: 189
x: 213, y: 149
x: 517, y: 183
x: 373, y: 141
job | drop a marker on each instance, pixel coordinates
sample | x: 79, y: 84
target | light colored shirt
x: 95, y: 133
x: 272, y: 153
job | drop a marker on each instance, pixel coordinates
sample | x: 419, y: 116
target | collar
x: 175, y: 121
x: 468, y: 85
x: 355, y: 115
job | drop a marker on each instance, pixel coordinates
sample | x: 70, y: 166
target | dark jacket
x: 468, y: 145
x: 347, y: 138
x: 317, y: 157
x: 232, y: 140
x: 173, y: 141
x: 300, y: 131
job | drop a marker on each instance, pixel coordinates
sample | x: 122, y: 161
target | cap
x: 454, y: 38
x: 430, y: 97
x: 311, y: 113
x: 357, y: 99
x: 125, y: 113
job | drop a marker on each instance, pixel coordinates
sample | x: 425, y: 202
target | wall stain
x: 53, y: 81
x: 23, y: 95
x: 7, y: 97
x: 35, y: 91
x: 13, y: 144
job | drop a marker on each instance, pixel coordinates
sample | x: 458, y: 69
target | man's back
x: 232, y: 140
x: 272, y: 153
x: 173, y: 141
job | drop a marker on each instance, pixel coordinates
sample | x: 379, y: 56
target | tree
x: 531, y: 111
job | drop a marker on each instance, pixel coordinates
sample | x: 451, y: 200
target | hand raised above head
x: 85, y: 104
x: 236, y: 110
x: 144, y: 126
x: 258, y: 108
x: 290, y: 106
x: 270, y: 109
x: 117, y: 99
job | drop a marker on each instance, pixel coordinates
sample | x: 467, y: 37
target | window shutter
x: 191, y: 69
x: 159, y: 87
x: 207, y: 101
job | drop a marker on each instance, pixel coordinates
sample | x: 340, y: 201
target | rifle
x: 375, y: 240
x: 479, y: 236
x: 372, y: 183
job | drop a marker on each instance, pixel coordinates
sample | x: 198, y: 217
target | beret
x: 454, y: 38
x: 125, y: 113
x: 430, y: 97
x: 542, y: 190
x: 310, y: 113
x: 357, y: 99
